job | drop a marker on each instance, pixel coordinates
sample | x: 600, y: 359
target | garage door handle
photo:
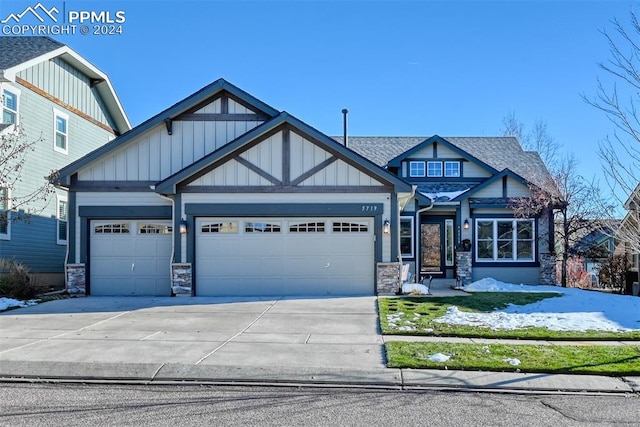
x: 133, y: 266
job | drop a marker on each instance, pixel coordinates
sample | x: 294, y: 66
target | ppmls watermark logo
x: 40, y: 20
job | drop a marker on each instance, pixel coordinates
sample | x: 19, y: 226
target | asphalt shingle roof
x: 16, y: 50
x: 498, y: 152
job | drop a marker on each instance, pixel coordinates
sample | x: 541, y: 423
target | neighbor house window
x: 406, y: 236
x: 434, y: 168
x: 505, y: 240
x: 451, y: 169
x: 9, y: 107
x: 416, y: 169
x: 61, y: 132
x: 4, y: 213
x: 61, y: 216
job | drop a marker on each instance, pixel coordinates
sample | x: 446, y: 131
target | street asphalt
x: 309, y: 341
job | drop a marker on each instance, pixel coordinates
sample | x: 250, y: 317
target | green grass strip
x: 565, y: 359
x: 415, y: 315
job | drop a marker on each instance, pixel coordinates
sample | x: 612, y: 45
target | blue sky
x: 400, y: 67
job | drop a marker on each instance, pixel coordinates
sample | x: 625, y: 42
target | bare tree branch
x: 14, y: 150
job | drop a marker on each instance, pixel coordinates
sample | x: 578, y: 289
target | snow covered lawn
x: 506, y: 310
x: 570, y: 313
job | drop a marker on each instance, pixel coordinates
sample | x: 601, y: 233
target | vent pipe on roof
x: 344, y: 125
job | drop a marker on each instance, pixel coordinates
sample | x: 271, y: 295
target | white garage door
x: 130, y: 257
x: 284, y: 256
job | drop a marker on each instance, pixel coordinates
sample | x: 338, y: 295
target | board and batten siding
x: 63, y: 81
x: 156, y: 155
x: 303, y: 157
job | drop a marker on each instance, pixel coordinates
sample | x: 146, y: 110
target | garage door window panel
x: 154, y: 229
x: 120, y: 228
x: 307, y: 227
x: 227, y: 227
x: 350, y: 227
x: 262, y: 227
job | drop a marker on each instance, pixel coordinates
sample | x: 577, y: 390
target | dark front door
x: 436, y: 246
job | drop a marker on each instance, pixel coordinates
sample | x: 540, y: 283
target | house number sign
x: 369, y: 208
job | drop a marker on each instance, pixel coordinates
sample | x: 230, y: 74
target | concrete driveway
x: 255, y: 332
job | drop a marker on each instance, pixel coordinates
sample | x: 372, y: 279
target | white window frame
x: 412, y: 236
x: 16, y: 92
x: 7, y: 235
x: 449, y: 241
x: 65, y: 116
x: 514, y: 240
x: 62, y: 199
x: 419, y: 165
x: 451, y: 175
x: 430, y: 175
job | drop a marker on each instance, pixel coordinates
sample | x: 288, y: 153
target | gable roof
x: 20, y: 53
x: 497, y: 152
x: 437, y: 139
x: 168, y: 186
x: 16, y: 50
x: 176, y: 109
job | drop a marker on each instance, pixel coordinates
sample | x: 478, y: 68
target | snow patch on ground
x: 7, y: 303
x: 574, y: 310
x: 439, y: 357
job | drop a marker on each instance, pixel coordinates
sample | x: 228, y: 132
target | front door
x: 436, y: 246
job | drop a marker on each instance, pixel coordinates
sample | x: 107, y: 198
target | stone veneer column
x: 76, y: 283
x: 464, y: 267
x: 388, y: 277
x: 181, y: 275
x: 548, y: 269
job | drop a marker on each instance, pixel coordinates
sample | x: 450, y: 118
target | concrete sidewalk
x: 308, y: 341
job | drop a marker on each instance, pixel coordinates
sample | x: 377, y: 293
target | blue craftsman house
x: 59, y: 99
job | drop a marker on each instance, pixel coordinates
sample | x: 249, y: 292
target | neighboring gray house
x: 221, y: 194
x: 52, y: 93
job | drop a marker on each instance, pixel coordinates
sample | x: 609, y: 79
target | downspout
x: 173, y: 240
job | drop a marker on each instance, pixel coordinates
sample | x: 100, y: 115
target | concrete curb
x: 154, y: 373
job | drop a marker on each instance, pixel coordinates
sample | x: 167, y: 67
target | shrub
x: 16, y: 281
x: 613, y: 271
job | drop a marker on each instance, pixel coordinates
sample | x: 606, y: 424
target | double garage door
x: 284, y: 256
x: 237, y: 256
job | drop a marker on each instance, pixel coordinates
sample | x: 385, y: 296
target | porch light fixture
x: 386, y: 226
x: 466, y: 224
x: 183, y: 226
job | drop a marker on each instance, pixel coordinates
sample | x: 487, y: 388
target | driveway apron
x: 253, y: 332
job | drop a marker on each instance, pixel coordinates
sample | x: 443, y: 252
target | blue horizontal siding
x: 34, y: 243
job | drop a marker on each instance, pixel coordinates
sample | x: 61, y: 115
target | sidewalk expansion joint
x: 253, y: 322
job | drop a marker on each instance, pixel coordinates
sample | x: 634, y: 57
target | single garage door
x: 284, y: 256
x: 130, y: 257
